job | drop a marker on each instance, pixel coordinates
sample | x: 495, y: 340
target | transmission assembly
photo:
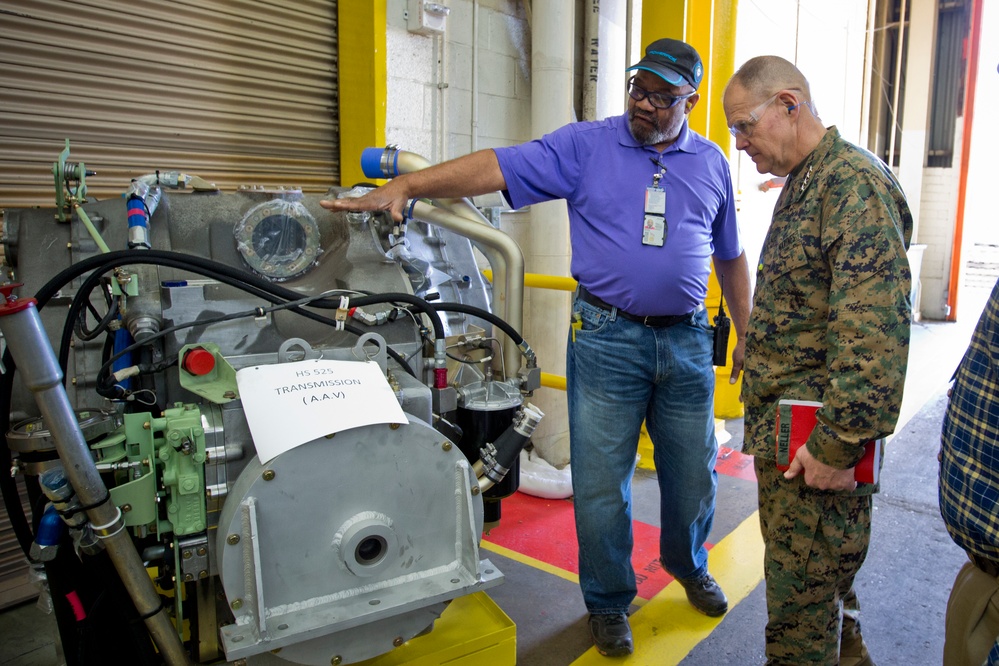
x: 251, y: 429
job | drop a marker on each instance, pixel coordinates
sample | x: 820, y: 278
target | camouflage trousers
x: 815, y: 543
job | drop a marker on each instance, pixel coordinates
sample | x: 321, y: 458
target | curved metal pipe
x: 503, y: 253
x: 395, y: 162
x: 41, y: 374
x: 500, y: 249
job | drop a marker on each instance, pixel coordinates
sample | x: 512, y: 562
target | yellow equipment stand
x: 472, y: 631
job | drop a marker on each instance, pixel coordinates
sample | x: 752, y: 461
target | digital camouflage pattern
x: 816, y: 543
x: 830, y: 322
x: 831, y: 312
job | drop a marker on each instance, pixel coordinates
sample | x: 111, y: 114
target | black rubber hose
x: 481, y: 314
x: 239, y: 279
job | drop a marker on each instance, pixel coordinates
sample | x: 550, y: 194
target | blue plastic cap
x: 50, y: 528
x: 371, y: 163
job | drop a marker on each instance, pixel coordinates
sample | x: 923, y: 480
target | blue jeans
x: 620, y: 373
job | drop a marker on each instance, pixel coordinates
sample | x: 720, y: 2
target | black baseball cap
x: 674, y: 61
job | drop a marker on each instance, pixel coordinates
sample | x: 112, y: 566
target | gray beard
x: 646, y: 136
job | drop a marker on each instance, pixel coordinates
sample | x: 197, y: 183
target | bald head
x: 764, y: 75
x: 769, y: 110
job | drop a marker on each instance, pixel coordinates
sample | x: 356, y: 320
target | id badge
x: 654, y: 230
x: 655, y: 201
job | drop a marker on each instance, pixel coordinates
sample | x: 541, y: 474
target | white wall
x: 826, y: 40
x: 430, y: 107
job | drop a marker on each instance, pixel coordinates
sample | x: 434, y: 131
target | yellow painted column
x: 708, y: 26
x: 363, y: 82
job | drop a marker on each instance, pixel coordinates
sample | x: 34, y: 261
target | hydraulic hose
x: 499, y: 322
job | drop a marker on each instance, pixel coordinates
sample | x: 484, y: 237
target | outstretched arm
x: 467, y: 176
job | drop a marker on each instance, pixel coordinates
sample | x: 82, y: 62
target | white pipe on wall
x: 604, y: 57
x: 547, y: 247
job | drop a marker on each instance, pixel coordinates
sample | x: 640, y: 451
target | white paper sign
x: 289, y: 404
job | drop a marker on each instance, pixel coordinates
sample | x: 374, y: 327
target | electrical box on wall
x: 427, y: 18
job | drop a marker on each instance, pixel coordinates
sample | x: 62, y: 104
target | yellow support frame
x: 363, y: 82
x: 708, y: 26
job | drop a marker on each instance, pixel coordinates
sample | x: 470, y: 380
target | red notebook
x: 795, y: 422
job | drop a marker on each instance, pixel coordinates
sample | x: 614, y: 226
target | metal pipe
x: 500, y: 249
x: 503, y: 253
x: 40, y: 372
x: 397, y: 162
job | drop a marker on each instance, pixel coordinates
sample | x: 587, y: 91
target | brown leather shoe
x: 705, y: 595
x: 611, y: 634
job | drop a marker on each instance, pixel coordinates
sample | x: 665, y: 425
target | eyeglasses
x: 745, y: 128
x: 657, y: 100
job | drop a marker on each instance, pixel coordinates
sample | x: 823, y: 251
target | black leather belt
x: 650, y: 320
x: 991, y: 567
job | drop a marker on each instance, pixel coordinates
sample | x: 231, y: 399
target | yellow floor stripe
x: 529, y: 561
x: 666, y: 629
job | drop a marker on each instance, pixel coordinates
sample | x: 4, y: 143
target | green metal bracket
x: 63, y: 172
x: 218, y: 385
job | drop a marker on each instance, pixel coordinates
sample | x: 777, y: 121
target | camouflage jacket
x: 831, y: 312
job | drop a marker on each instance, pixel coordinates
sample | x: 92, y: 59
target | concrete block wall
x: 430, y: 80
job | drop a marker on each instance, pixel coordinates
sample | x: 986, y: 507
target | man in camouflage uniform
x: 830, y: 323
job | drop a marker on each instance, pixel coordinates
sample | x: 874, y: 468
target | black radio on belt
x: 721, y: 330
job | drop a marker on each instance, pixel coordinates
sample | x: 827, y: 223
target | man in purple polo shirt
x: 650, y: 206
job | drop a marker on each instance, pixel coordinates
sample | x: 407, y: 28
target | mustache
x: 649, y: 118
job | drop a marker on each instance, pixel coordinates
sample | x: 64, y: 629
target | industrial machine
x: 250, y: 428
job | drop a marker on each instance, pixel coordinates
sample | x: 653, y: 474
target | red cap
x: 199, y: 361
x: 11, y: 304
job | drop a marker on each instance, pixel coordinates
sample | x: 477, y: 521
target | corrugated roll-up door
x: 237, y: 92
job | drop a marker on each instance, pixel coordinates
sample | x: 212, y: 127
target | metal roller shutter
x: 238, y: 92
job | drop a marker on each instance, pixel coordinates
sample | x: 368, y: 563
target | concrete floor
x: 903, y: 587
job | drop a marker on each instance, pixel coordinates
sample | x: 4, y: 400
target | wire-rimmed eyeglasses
x: 744, y: 128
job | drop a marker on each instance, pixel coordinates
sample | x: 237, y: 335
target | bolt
x: 475, y: 490
x: 188, y: 578
x: 394, y: 426
x: 336, y: 661
x: 397, y: 641
x: 446, y: 446
x: 146, y: 425
x: 268, y: 475
x: 125, y: 508
x: 188, y: 554
x: 232, y: 539
x: 202, y: 550
x: 203, y: 574
x: 73, y: 381
x: 236, y: 604
x: 229, y: 394
x: 69, y: 246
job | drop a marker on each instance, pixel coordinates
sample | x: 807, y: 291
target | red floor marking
x: 735, y: 463
x: 545, y: 530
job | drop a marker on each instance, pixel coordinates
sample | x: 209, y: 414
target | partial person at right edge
x: 969, y: 496
x: 830, y: 323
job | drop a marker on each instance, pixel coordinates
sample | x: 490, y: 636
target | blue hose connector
x: 371, y: 163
